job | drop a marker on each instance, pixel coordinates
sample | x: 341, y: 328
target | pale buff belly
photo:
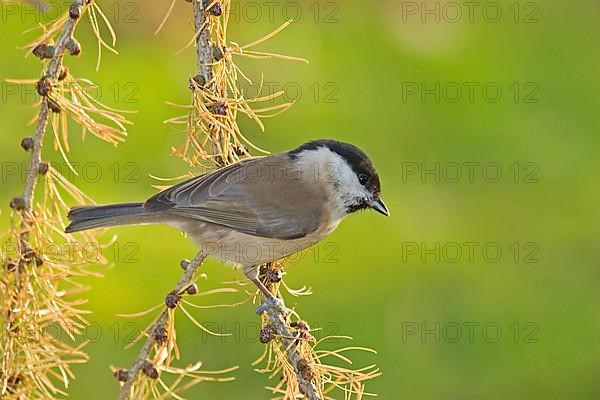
x: 245, y: 250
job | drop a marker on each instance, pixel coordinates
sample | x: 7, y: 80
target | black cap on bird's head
x: 361, y: 165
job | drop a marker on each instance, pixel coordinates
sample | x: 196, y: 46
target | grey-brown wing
x: 253, y: 197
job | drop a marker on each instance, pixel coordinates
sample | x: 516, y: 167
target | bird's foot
x: 272, y: 303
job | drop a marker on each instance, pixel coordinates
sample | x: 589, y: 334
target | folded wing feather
x: 256, y: 197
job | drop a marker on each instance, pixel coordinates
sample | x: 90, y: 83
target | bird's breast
x: 242, y: 249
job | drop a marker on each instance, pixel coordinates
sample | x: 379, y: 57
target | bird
x: 257, y: 210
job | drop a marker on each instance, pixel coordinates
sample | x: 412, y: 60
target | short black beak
x: 378, y: 205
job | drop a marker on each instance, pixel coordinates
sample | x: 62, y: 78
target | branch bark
x: 184, y: 282
x: 203, y: 48
x: 52, y: 73
x: 279, y: 324
x: 276, y: 314
x: 38, y: 138
x: 33, y: 172
x: 204, y: 53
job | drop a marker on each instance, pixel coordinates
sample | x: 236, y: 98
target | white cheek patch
x: 325, y: 166
x: 348, y: 179
x: 318, y: 166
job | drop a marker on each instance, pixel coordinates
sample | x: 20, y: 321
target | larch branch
x: 184, y: 282
x: 203, y: 48
x: 51, y: 73
x: 278, y: 323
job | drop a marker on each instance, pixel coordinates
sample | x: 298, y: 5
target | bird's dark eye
x: 363, y: 179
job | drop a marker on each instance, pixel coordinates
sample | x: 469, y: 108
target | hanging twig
x: 21, y: 302
x: 63, y: 43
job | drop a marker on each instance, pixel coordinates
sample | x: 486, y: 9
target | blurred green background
x: 383, y: 75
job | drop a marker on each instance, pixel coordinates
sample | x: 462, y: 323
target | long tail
x: 92, y: 217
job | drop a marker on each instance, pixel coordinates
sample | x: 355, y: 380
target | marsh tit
x: 257, y: 210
